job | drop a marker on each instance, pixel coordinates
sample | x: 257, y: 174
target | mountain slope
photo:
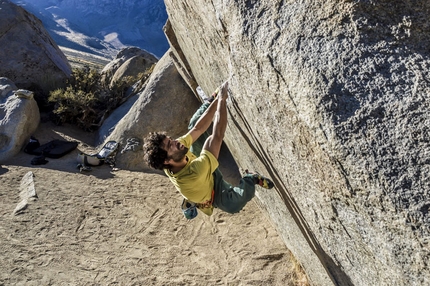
x: 102, y: 27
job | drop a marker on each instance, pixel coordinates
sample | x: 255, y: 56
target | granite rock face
x: 331, y: 99
x: 29, y: 57
x: 129, y: 61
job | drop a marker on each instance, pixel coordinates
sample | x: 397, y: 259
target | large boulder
x: 19, y: 118
x: 330, y: 99
x: 130, y: 62
x: 166, y: 104
x: 28, y: 55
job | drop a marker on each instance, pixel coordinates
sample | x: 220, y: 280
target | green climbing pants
x: 227, y: 198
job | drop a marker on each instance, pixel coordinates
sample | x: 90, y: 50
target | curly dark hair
x: 154, y: 155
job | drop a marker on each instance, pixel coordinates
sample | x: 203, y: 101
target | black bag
x: 31, y: 146
x: 55, y: 148
x: 39, y: 160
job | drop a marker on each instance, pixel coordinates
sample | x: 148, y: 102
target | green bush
x: 75, y: 107
x: 78, y: 103
x: 85, y: 102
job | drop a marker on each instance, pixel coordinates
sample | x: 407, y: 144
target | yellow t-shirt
x: 195, y: 181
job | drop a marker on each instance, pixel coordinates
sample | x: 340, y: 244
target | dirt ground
x: 117, y: 227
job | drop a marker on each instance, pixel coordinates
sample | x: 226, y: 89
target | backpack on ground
x: 105, y: 155
x: 54, y: 149
x: 31, y: 145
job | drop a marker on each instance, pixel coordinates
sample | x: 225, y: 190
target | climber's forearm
x: 204, y: 121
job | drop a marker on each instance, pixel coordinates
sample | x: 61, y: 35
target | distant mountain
x: 103, y: 27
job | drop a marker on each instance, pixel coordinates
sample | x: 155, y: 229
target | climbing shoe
x: 260, y: 180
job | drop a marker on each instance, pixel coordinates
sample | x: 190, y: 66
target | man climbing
x: 191, y: 162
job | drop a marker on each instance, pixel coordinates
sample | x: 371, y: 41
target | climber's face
x: 175, y: 150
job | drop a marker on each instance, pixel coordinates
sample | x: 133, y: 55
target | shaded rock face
x: 331, y: 99
x: 19, y: 118
x: 29, y: 57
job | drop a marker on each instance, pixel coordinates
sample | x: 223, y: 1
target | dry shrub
x: 86, y: 102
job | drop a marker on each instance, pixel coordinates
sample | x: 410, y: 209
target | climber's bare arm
x: 214, y: 141
x: 204, y: 121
